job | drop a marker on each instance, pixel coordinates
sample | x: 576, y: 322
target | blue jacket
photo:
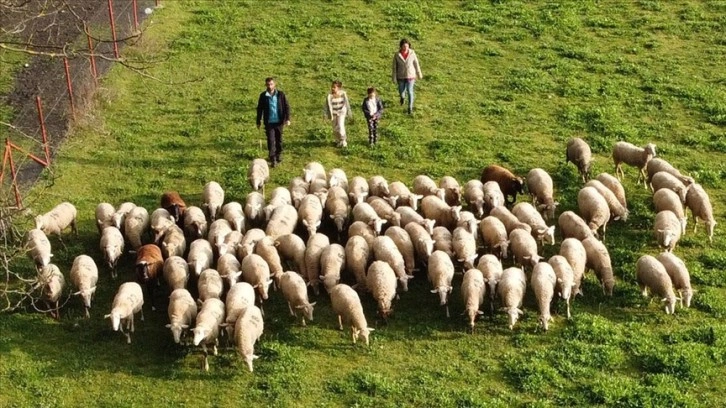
x: 283, y: 109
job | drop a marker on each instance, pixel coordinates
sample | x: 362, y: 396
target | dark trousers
x: 372, y: 131
x: 274, y: 140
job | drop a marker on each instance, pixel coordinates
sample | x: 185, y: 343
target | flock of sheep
x: 383, y: 233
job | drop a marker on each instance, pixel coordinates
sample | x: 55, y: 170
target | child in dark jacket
x: 372, y: 109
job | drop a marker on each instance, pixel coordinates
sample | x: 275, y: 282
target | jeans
x: 406, y: 85
x: 274, y: 141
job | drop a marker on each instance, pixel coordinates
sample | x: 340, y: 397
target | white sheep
x: 524, y: 248
x: 247, y: 331
x: 540, y: 186
x: 493, y: 196
x: 332, y: 263
x: 365, y: 213
x: 338, y: 178
x: 299, y: 188
x: 210, y: 285
x: 543, y: 283
x: 528, y: 214
x: 511, y: 289
x: 679, y: 275
x: 268, y: 251
x: 510, y: 221
x: 234, y: 213
x: 39, y: 247
x: 464, y: 245
x: 218, y: 231
x: 128, y: 301
x: 56, y: 220
x: 346, y: 305
x: 665, y: 199
x: 119, y: 217
x: 313, y: 170
x: 112, y: 247
x: 443, y: 240
x: 385, y: 249
x: 617, y: 211
x: 657, y: 165
x: 700, y: 205
x: 667, y: 229
x: 360, y: 228
x: 104, y: 216
x: 491, y: 269
x: 472, y: 293
x: 579, y: 153
x: 200, y: 256
x: 195, y: 223
x: 378, y: 186
x: 385, y: 210
x: 280, y: 196
x: 573, y: 226
x: 173, y: 242
x: 598, y: 260
x: 314, y: 248
x: 136, y: 225
x: 338, y: 210
x: 358, y: 255
x: 231, y: 243
x: 84, y: 276
x: 292, y: 248
x: 573, y: 250
x: 212, y: 199
x: 160, y: 221
x: 425, y: 186
x: 254, y: 208
x: 358, y: 189
x: 182, y: 311
x: 249, y: 240
x: 241, y: 295
x: 440, y: 273
x: 206, y: 332
x: 594, y: 209
x: 474, y: 196
x: 381, y: 282
x: 565, y: 279
x: 423, y: 244
x: 310, y: 213
x: 256, y: 272
x: 624, y: 152
x: 664, y: 180
x: 615, y: 186
x: 258, y: 174
x: 468, y: 221
x: 409, y: 215
x: 405, y: 196
x: 228, y: 267
x: 295, y: 293
x: 176, y: 272
x: 494, y: 235
x: 651, y: 274
x: 404, y: 244
x: 52, y: 283
x: 452, y: 190
x: 436, y: 209
x: 282, y: 221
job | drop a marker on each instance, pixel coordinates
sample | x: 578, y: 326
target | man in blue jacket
x: 274, y: 111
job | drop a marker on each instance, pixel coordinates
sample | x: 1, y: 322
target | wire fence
x: 95, y: 34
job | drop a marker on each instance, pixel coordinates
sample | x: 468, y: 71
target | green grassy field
x: 504, y: 82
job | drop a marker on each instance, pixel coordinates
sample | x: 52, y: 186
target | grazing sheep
x: 174, y: 242
x: 84, y: 275
x: 657, y: 165
x: 52, y: 282
x: 295, y: 293
x: 182, y: 311
x: 228, y: 267
x: 119, y: 216
x: 493, y: 196
x: 651, y: 274
x: 409, y: 215
x: 231, y: 243
x: 423, y: 244
x: 494, y: 235
x: 299, y: 188
x: 213, y: 199
x: 573, y: 226
x: 667, y: 228
x: 112, y: 247
x: 56, y: 220
x: 200, y: 256
x: 452, y: 190
x: 346, y: 305
x: 254, y: 209
x: 594, y: 209
x: 268, y: 251
x: 468, y: 221
x: 378, y: 186
x: 218, y: 231
x: 247, y: 245
x: 332, y: 263
x: 310, y: 213
x: 624, y: 152
x: 39, y: 247
x: 364, y: 212
x: 404, y: 244
x: 540, y: 186
x: 663, y: 180
x: 405, y: 196
x: 104, y: 216
x: 176, y: 272
x: 206, y: 331
x: 679, y: 275
x: 425, y: 186
x: 149, y: 266
x: 598, y: 260
x: 195, y: 223
x: 235, y: 215
x: 665, y: 199
x: 436, y: 209
x: 700, y: 205
x: 565, y: 279
x: 443, y: 240
x: 361, y: 229
x: 474, y: 196
x: 282, y: 221
x: 464, y: 245
x: 314, y: 249
x: 210, y: 285
x: 358, y: 255
x: 524, y: 248
x: 258, y: 174
x: 510, y: 221
x: 578, y: 152
x: 358, y: 190
x: 385, y: 210
x: 241, y: 295
x: 543, y: 283
x: 312, y: 171
x: 511, y: 289
x: 508, y: 182
x: 381, y: 282
x: 160, y: 221
x: 339, y: 211
x: 384, y: 249
x: 440, y: 273
x: 171, y: 201
x: 526, y: 213
x: 292, y: 248
x: 338, y: 192
x: 615, y: 186
x: 247, y: 331
x: 128, y: 301
x: 136, y: 225
x: 617, y: 211
x: 338, y: 178
x: 256, y: 272
x: 491, y: 269
x: 573, y: 250
x: 472, y: 293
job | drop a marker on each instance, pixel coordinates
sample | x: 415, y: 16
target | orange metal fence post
x: 69, y: 84
x: 92, y: 57
x: 43, y: 131
x: 113, y: 28
x: 136, y: 15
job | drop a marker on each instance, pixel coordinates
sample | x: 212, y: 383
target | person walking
x: 405, y: 71
x: 372, y: 110
x: 337, y: 109
x: 274, y: 111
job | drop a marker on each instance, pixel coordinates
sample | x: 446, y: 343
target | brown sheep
x: 508, y: 182
x: 172, y: 202
x: 149, y: 266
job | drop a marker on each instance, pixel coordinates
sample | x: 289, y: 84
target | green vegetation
x: 504, y: 82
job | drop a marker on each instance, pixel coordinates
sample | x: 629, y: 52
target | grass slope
x: 505, y: 82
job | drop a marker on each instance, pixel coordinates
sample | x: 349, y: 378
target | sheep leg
x: 74, y: 228
x: 447, y: 310
x: 340, y: 322
x: 150, y: 292
x: 289, y: 306
x: 88, y: 314
x: 131, y: 325
x: 205, y: 360
x: 303, y: 321
x: 567, y: 302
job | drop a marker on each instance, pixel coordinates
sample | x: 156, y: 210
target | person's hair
x: 371, y: 90
x: 338, y: 83
x: 268, y: 79
x: 404, y: 41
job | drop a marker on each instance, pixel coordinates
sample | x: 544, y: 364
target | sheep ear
x: 305, y: 223
x: 617, y: 217
x: 108, y: 316
x: 435, y: 290
x: 520, y: 312
x: 317, y: 224
x: 76, y: 293
x: 312, y: 304
x: 168, y: 326
x: 479, y: 312
x: 332, y: 217
x: 370, y: 329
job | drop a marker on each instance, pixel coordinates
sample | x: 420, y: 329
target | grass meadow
x: 505, y: 82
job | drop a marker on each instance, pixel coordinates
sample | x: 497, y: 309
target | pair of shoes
x: 278, y: 159
x: 400, y: 100
x: 343, y: 144
x: 273, y: 164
